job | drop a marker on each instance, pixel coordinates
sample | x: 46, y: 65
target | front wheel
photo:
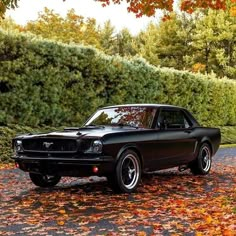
x: 202, y: 165
x: 44, y: 180
x: 127, y: 173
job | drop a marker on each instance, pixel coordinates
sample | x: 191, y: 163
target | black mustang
x: 119, y: 142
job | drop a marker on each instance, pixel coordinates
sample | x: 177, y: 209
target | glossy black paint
x: 158, y: 147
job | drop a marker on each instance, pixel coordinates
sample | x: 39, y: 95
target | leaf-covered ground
x: 166, y: 203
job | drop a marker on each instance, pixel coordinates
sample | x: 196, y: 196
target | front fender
x: 131, y: 146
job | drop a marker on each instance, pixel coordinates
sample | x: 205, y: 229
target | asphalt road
x: 165, y: 204
x: 226, y: 156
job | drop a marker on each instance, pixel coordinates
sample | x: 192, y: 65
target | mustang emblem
x: 47, y: 144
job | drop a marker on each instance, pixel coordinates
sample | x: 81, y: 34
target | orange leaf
x: 141, y: 233
x: 228, y: 232
x: 233, y: 11
x: 60, y: 222
x: 198, y: 234
x: 62, y: 211
x: 208, y: 219
x: 32, y: 221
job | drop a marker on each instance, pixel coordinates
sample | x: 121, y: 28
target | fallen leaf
x: 60, y: 222
x: 62, y: 211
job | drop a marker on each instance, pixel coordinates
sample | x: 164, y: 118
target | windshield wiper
x: 124, y: 125
x: 94, y: 126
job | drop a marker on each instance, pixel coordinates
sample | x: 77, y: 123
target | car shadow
x: 157, y: 182
x: 166, y: 181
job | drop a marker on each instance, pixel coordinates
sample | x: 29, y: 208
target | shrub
x: 47, y: 83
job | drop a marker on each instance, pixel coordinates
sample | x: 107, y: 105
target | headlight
x: 96, y: 147
x: 18, y: 146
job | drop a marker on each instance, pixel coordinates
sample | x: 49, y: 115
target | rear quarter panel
x: 210, y: 135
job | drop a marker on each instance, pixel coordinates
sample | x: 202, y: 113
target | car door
x: 175, y: 143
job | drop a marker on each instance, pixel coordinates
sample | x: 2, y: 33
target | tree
x: 9, y: 24
x: 172, y: 44
x: 214, y: 43
x: 200, y: 42
x: 149, y: 7
x: 146, y: 44
x: 72, y: 28
x: 124, y: 43
x: 107, y: 37
x: 167, y: 44
x: 7, y: 4
x: 116, y: 43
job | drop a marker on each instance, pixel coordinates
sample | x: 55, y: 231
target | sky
x: 28, y: 10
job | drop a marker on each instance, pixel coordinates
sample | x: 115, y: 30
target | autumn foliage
x: 149, y: 7
x: 166, y: 203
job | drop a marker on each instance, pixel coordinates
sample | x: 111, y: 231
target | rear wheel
x: 202, y: 165
x: 44, y: 180
x: 127, y: 173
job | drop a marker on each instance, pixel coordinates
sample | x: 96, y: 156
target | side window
x: 172, y: 119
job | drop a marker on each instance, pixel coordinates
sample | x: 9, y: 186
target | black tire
x: 202, y: 164
x: 44, y: 180
x: 127, y: 173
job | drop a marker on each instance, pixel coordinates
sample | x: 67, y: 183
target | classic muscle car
x: 119, y: 142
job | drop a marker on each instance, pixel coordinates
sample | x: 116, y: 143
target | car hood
x: 96, y: 132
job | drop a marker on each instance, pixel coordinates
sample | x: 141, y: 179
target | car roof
x: 143, y: 105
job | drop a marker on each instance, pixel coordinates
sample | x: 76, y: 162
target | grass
x: 227, y: 145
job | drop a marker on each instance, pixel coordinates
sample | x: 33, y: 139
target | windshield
x: 137, y: 116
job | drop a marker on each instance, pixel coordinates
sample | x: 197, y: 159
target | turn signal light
x: 95, y: 169
x: 17, y: 165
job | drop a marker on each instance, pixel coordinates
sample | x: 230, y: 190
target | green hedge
x: 46, y: 83
x: 228, y: 134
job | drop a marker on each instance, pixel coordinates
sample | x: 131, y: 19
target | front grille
x: 49, y: 145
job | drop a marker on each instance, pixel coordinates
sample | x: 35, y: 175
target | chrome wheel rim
x: 49, y: 178
x: 206, y: 158
x: 130, y: 171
